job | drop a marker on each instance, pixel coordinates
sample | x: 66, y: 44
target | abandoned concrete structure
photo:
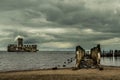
x: 20, y: 47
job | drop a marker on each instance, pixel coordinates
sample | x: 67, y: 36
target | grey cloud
x: 7, y: 5
x: 99, y: 15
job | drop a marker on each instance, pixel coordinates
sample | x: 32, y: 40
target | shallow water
x: 44, y: 59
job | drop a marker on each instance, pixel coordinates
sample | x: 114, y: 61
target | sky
x: 61, y: 24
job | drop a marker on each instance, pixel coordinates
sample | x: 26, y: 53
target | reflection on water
x: 111, y: 61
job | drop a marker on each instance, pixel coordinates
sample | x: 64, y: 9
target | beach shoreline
x: 109, y: 73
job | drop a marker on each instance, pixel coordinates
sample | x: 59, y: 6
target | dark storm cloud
x: 58, y: 22
x: 7, y: 5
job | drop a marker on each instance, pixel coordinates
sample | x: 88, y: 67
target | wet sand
x: 109, y: 73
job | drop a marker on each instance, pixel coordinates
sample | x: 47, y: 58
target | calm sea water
x: 40, y: 60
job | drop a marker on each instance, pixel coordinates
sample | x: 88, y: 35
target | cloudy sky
x: 61, y: 24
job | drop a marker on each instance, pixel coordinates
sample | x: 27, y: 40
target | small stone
x: 54, y: 68
x: 101, y: 68
x: 64, y: 65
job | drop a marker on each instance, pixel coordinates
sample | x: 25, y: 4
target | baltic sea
x: 44, y: 59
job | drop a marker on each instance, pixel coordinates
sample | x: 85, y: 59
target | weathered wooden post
x: 80, y: 53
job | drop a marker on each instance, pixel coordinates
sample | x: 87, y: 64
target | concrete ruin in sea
x: 21, y: 47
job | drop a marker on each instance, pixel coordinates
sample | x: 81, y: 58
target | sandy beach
x: 109, y: 73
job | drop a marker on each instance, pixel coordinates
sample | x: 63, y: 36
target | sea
x: 12, y: 61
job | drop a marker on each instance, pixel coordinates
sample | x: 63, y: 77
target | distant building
x: 20, y: 47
